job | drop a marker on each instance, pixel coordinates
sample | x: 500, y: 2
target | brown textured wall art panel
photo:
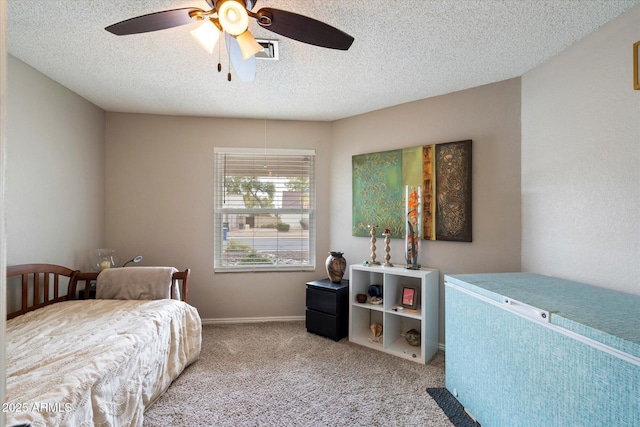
x: 453, y: 191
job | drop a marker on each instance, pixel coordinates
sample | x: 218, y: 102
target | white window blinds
x: 264, y: 209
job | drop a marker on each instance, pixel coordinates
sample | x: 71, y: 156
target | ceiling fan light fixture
x: 207, y: 35
x: 233, y: 17
x: 248, y: 45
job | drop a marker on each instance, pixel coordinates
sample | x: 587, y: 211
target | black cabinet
x: 328, y: 308
x: 92, y: 294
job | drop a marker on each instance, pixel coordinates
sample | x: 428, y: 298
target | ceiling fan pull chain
x: 219, y: 62
x: 228, y: 59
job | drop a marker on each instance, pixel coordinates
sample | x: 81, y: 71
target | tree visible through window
x: 264, y: 209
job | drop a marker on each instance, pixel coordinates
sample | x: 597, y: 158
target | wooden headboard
x: 41, y: 284
x: 37, y: 279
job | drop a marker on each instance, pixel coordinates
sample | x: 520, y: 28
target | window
x: 264, y: 209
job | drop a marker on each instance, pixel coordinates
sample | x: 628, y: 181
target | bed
x: 85, y: 362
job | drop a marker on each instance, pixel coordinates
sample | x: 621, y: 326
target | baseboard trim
x: 221, y: 321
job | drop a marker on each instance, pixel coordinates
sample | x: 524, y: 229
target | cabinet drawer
x: 319, y: 300
x: 326, y: 325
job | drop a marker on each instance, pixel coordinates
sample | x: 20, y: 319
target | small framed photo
x: 636, y: 65
x: 409, y: 297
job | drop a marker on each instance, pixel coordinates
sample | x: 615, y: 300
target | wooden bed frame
x: 107, y: 373
x: 37, y: 279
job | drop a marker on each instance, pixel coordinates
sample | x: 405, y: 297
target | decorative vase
x: 336, y: 265
x: 413, y: 198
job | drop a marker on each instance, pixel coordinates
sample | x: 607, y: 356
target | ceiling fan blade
x: 303, y: 28
x: 245, y: 68
x: 154, y: 21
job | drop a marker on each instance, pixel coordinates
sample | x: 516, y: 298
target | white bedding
x: 96, y: 362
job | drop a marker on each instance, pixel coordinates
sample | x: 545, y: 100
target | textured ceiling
x: 403, y: 51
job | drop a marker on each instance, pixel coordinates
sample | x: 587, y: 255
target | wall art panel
x: 443, y: 171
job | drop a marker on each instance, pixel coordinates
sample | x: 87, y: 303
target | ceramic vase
x: 336, y: 265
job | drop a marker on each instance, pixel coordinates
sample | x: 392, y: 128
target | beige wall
x: 488, y: 115
x: 3, y: 252
x: 54, y: 171
x: 159, y: 204
x: 580, y: 161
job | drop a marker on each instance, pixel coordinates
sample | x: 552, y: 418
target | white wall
x: 581, y: 161
x: 489, y: 116
x: 159, y: 204
x: 54, y: 171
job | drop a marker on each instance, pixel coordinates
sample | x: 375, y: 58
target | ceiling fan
x: 232, y: 18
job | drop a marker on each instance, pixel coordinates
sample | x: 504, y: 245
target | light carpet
x: 278, y: 374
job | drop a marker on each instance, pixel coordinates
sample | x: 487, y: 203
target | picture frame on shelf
x: 409, y: 298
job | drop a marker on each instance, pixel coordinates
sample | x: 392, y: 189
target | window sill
x: 254, y: 269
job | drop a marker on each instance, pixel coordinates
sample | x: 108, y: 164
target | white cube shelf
x: 395, y: 320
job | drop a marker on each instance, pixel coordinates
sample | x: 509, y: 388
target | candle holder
x: 373, y: 245
x: 387, y: 233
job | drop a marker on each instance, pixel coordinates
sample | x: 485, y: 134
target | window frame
x: 220, y: 211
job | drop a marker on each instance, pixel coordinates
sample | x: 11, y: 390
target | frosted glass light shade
x: 207, y: 35
x: 248, y: 45
x: 233, y: 17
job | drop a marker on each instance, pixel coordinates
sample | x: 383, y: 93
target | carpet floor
x: 277, y: 374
